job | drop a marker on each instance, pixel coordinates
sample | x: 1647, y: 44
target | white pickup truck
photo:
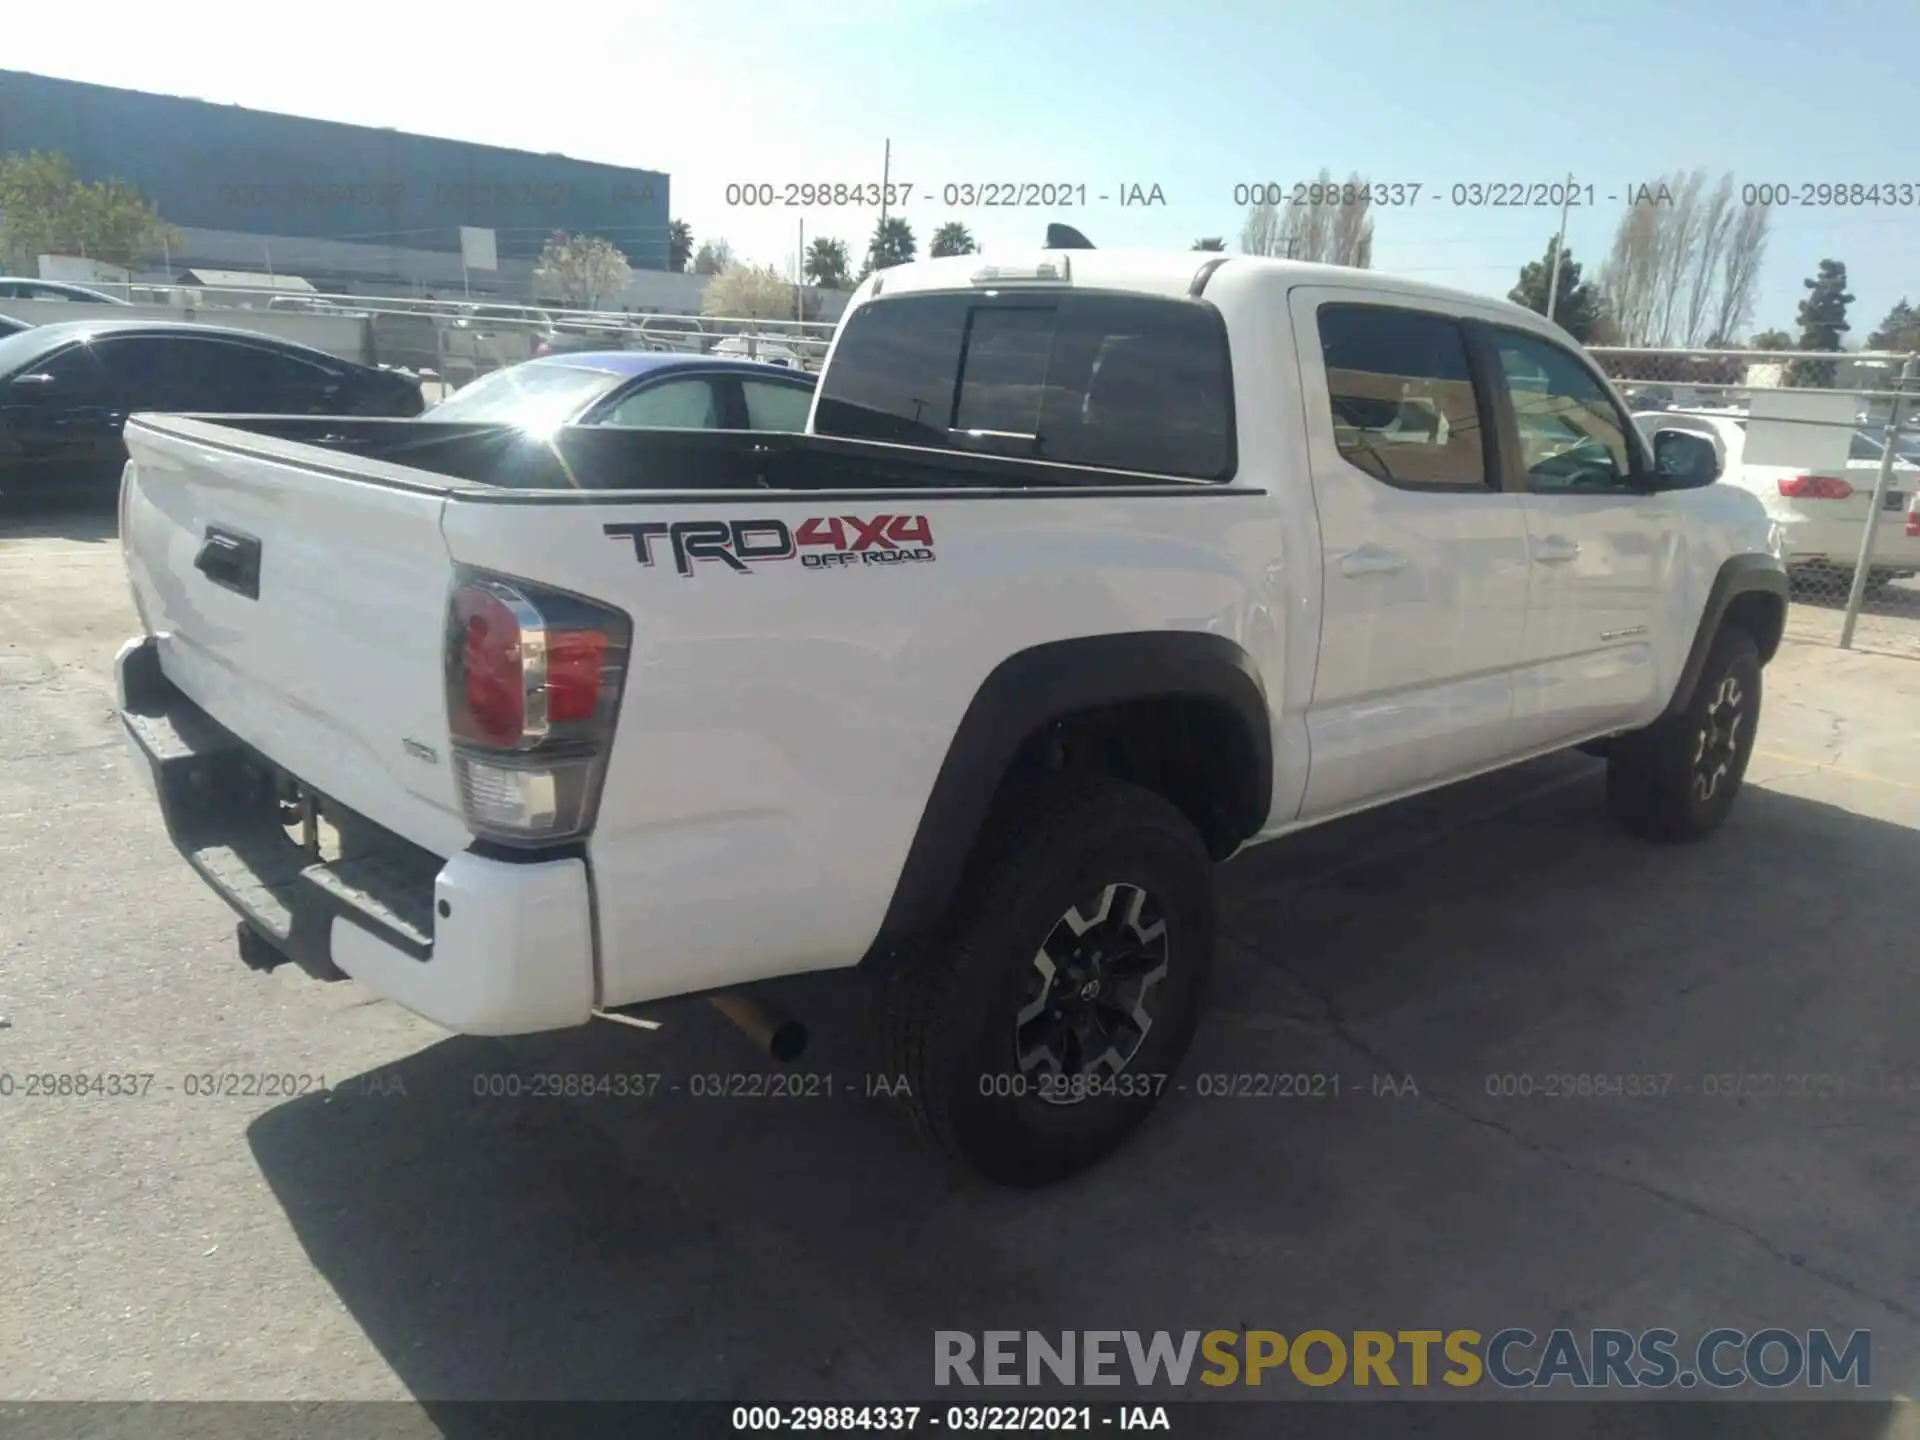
x: 1092, y: 569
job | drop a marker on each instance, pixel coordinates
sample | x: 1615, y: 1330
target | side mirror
x: 1684, y: 461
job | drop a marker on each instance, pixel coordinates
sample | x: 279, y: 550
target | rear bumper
x: 476, y: 944
x: 1837, y: 542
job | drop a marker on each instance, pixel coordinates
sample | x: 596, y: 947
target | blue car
x: 636, y: 390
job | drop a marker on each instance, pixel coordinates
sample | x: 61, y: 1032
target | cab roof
x: 1171, y: 273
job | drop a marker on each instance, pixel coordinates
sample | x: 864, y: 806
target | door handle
x: 1370, y: 560
x: 1554, y: 549
x: 231, y: 561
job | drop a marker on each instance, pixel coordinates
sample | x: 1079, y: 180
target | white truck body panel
x: 338, y: 662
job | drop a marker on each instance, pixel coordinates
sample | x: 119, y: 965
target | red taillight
x: 1913, y: 520
x: 575, y: 663
x: 533, y: 689
x: 523, y: 670
x: 1816, y: 487
x: 493, y: 689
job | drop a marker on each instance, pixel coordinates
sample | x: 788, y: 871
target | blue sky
x: 1195, y: 98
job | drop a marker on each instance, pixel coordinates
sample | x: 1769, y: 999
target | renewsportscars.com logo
x: 819, y: 542
x: 1511, y: 1359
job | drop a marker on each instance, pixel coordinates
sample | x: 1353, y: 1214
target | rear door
x: 1424, y: 554
x: 1601, y: 551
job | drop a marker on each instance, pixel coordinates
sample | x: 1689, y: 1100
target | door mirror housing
x: 1683, y: 460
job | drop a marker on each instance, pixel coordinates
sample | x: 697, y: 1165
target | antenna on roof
x: 1065, y: 237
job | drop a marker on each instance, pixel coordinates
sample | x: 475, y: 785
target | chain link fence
x: 1830, y: 445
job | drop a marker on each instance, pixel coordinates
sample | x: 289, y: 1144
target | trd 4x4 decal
x: 821, y: 542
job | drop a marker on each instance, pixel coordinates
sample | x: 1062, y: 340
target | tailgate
x: 303, y: 608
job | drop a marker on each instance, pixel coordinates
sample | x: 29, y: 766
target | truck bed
x: 602, y: 458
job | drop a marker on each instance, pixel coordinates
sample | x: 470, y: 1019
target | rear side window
x: 1119, y: 382
x: 689, y: 404
x: 1402, y: 395
x: 776, y: 407
x: 187, y: 372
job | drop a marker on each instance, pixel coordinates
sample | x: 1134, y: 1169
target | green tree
x: 45, y: 209
x: 713, y: 257
x: 1772, y: 340
x: 1578, y: 307
x: 679, y: 246
x: 892, y: 244
x: 1899, y: 331
x: 1823, y: 320
x: 1210, y: 242
x: 827, y: 264
x: 952, y: 238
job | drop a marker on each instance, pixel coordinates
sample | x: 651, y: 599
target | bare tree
x: 1628, y: 276
x: 1740, y: 272
x: 1306, y: 231
x: 582, y: 269
x: 1338, y: 230
x: 1680, y: 244
x: 1353, y: 228
x: 1703, y: 278
x: 749, y: 292
x: 1261, y: 234
x: 1684, y: 262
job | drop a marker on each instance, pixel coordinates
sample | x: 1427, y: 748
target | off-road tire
x: 946, y: 1018
x: 1677, y: 779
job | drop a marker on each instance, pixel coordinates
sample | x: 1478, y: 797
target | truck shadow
x: 513, y: 1247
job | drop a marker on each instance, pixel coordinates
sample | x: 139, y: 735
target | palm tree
x: 952, y: 238
x: 827, y: 263
x: 892, y: 244
x: 679, y: 246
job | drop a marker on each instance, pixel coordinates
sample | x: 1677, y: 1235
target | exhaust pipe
x: 780, y: 1036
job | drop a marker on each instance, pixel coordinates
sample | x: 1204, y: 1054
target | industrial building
x: 350, y: 209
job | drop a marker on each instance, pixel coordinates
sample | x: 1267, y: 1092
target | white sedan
x: 1819, y: 516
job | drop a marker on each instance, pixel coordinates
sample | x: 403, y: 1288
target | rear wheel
x: 1047, y: 1022
x: 1678, y: 778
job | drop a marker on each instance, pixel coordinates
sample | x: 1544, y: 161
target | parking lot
x: 399, y: 1235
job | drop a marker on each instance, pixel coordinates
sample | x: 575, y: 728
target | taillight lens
x: 1913, y: 519
x: 492, y: 703
x: 534, y: 678
x: 1816, y: 487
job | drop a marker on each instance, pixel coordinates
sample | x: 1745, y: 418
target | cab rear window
x: 1129, y: 383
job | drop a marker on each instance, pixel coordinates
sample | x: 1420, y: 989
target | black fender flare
x: 1030, y: 690
x: 1739, y: 575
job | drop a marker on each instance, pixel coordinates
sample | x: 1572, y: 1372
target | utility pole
x: 800, y: 276
x: 1559, y: 248
x: 886, y: 190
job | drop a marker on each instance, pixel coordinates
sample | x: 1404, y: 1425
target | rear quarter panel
x: 782, y: 725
